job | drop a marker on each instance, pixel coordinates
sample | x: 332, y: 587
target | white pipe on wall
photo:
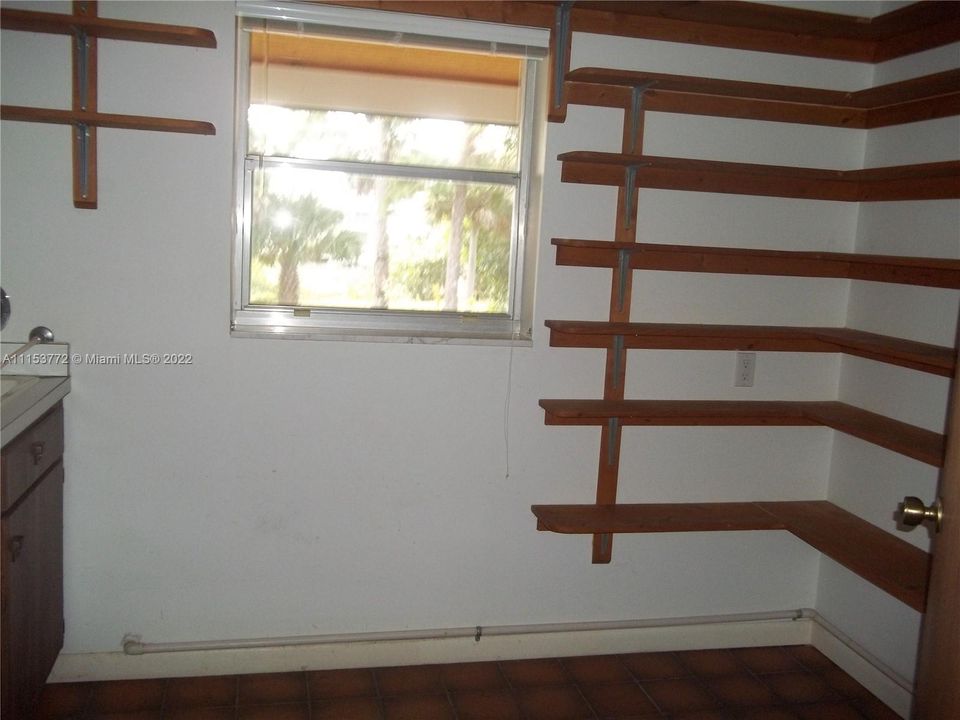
x: 134, y: 645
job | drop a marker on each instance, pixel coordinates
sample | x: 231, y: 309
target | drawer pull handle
x: 36, y: 449
x: 16, y: 547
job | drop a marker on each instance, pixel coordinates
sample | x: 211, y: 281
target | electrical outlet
x: 746, y: 367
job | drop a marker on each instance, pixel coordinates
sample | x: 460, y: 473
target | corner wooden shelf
x: 926, y: 181
x: 923, y: 98
x: 909, y: 440
x: 110, y: 120
x: 664, y: 336
x: 888, y: 562
x: 85, y: 26
x: 929, y: 272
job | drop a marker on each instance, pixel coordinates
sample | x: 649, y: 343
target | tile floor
x: 768, y: 683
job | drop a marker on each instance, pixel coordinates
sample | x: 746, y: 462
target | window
x: 383, y: 175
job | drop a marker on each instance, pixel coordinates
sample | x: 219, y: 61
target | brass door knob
x: 913, y: 512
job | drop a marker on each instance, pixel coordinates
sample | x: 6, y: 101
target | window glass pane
x: 339, y: 240
x: 342, y: 135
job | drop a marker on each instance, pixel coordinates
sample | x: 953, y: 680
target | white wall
x: 867, y: 480
x: 293, y: 487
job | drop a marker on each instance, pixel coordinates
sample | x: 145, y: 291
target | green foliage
x: 293, y: 231
x: 423, y: 279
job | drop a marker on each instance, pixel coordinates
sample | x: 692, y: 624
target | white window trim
x: 394, y: 326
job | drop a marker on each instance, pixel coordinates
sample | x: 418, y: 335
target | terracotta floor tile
x: 674, y: 696
x: 828, y: 711
x: 353, y: 708
x: 597, y: 670
x: 126, y: 696
x: 418, y: 707
x: 284, y: 711
x: 711, y: 662
x: 340, y: 683
x: 472, y: 676
x: 407, y: 680
x: 61, y: 700
x: 557, y: 702
x: 844, y: 684
x: 272, y: 688
x: 767, y: 659
x: 219, y: 691
x: 486, y: 705
x: 810, y: 657
x: 800, y: 687
x: 200, y: 713
x: 873, y: 709
x: 764, y: 713
x: 532, y: 673
x: 737, y: 690
x: 621, y: 700
x: 654, y: 666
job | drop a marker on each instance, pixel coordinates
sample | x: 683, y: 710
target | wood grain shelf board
x: 61, y: 24
x: 740, y: 25
x: 110, y: 120
x: 881, y: 558
x: 664, y: 517
x: 922, y: 98
x: 909, y: 440
x: 927, y: 181
x: 929, y: 272
x: 779, y: 30
x: 664, y: 336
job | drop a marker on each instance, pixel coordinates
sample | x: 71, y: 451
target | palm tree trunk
x: 289, y: 280
x: 451, y: 281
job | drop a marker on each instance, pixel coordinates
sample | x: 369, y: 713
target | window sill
x: 379, y: 335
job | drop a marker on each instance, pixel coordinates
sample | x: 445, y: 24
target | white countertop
x: 44, y: 375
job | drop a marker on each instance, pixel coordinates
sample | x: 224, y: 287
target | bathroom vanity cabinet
x: 31, y: 568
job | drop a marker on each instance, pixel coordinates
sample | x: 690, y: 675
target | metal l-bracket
x: 613, y: 426
x: 83, y: 157
x: 82, y: 54
x: 636, y: 105
x: 623, y: 267
x: 562, y: 29
x: 617, y: 358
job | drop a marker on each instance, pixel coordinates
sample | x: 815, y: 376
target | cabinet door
x: 32, y: 589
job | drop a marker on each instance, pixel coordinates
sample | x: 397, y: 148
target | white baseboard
x: 117, y: 665
x: 78, y: 667
x: 872, y: 678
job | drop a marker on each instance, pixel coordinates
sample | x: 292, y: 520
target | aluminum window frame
x: 512, y: 327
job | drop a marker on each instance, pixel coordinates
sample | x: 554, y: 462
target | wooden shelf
x: 60, y: 24
x: 97, y: 119
x: 909, y: 440
x: 923, y: 98
x: 927, y: 181
x: 881, y: 558
x: 740, y: 25
x: 86, y: 28
x: 747, y: 26
x: 929, y: 272
x: 662, y: 336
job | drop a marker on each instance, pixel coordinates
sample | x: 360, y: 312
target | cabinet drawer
x: 30, y: 455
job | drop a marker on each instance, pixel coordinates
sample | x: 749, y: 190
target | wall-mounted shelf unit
x: 870, y: 551
x: 874, y: 554
x: 922, y: 98
x: 925, y: 357
x: 85, y: 27
x: 930, y: 272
